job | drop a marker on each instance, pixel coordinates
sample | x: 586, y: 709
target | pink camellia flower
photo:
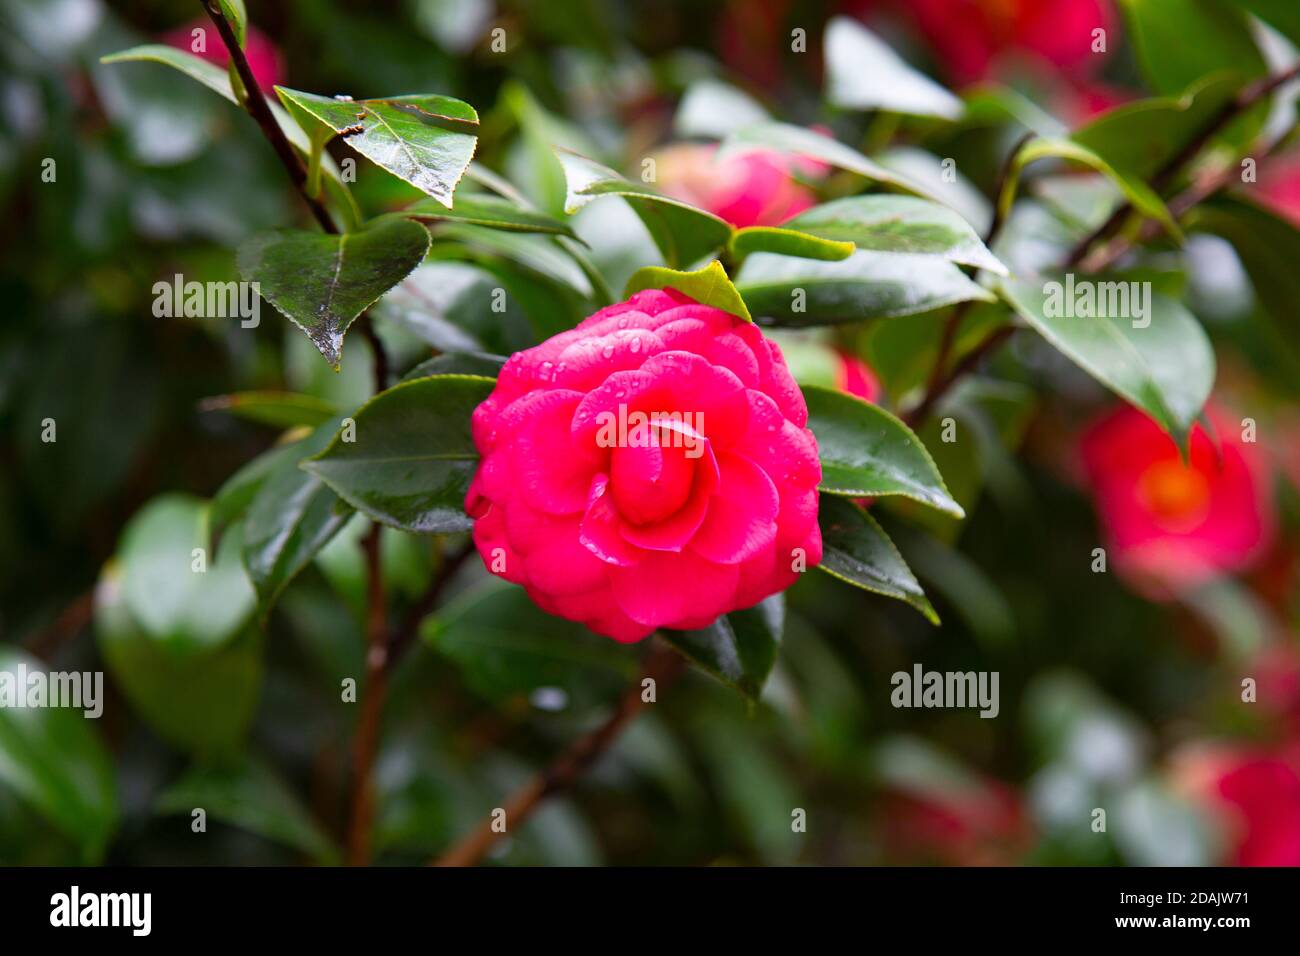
x: 1171, y: 526
x: 263, y: 57
x: 650, y: 468
x: 1279, y: 186
x: 754, y: 189
x: 855, y: 377
x: 1254, y: 797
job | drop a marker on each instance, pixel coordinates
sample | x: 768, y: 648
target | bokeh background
x: 1121, y: 690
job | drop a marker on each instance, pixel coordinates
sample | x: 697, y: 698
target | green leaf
x: 196, y: 68
x: 218, y: 80
x: 1140, y: 137
x: 1135, y: 190
x: 425, y: 139
x: 1165, y: 368
x: 1282, y: 15
x: 538, y: 254
x: 739, y: 648
x: 323, y: 282
x: 199, y: 699
x: 682, y: 232
x: 713, y: 109
x: 797, y: 141
x: 278, y: 409
x: 1268, y: 247
x: 787, y: 241
x: 867, y: 452
x: 481, y: 209
x: 249, y: 794
x: 54, y: 761
x: 863, y: 73
x: 708, y: 286
x: 181, y: 595
x: 884, y: 223
x: 868, y: 285
x: 413, y: 455
x: 856, y: 549
x: 292, y: 516
x: 506, y: 647
x: 234, y: 12
x: 1181, y: 41
x: 479, y: 364
x: 237, y: 492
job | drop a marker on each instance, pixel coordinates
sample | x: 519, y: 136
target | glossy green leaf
x: 539, y: 254
x: 249, y: 794
x: 683, y: 233
x: 181, y: 594
x: 234, y: 12
x: 506, y: 648
x: 1135, y: 190
x: 237, y: 492
x: 413, y: 454
x: 1181, y: 41
x: 712, y: 108
x: 1162, y: 362
x: 787, y: 241
x: 739, y: 648
x: 199, y: 699
x: 425, y: 139
x: 278, y: 409
x: 1140, y: 137
x: 292, y: 516
x: 52, y: 758
x: 481, y: 209
x: 796, y: 292
x: 323, y: 282
x: 797, y: 141
x: 709, y: 286
x: 887, y: 223
x: 864, y: 73
x: 218, y: 80
x: 856, y: 549
x: 481, y: 364
x: 867, y: 452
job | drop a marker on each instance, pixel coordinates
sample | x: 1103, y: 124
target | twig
x: 69, y: 623
x: 366, y: 741
x: 1245, y: 98
x: 937, y: 382
x: 968, y: 362
x: 405, y: 633
x: 664, y: 665
x: 256, y: 105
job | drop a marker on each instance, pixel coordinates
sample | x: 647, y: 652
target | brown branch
x: 1244, y: 99
x: 664, y: 665
x: 366, y: 742
x: 972, y: 358
x: 69, y: 623
x: 256, y: 105
x: 405, y: 633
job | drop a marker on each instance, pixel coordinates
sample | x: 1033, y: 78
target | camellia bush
x: 524, y: 433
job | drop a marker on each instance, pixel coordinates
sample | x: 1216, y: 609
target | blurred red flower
x: 983, y: 824
x: 263, y: 57
x: 854, y: 376
x: 1279, y: 187
x: 754, y: 189
x: 1253, y: 796
x: 1171, y: 525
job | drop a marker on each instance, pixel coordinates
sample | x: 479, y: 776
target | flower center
x: 1176, y: 495
x: 651, y: 475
